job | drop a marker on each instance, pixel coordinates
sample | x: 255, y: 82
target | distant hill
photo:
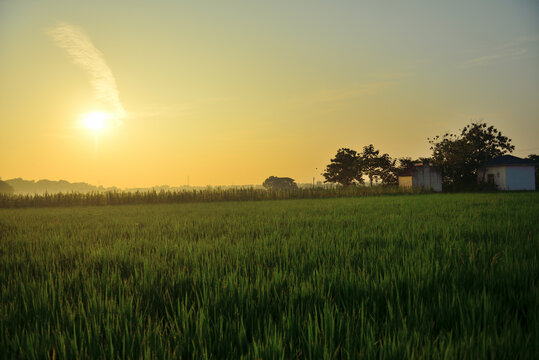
x: 31, y: 187
x: 22, y: 186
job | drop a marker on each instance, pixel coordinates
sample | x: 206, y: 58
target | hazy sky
x: 231, y: 92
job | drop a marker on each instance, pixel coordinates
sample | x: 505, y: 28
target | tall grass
x: 431, y: 276
x: 206, y: 195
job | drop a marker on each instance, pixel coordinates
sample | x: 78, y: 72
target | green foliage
x: 344, y: 168
x: 377, y: 167
x: 349, y: 167
x: 279, y: 183
x: 460, y: 156
x: 431, y: 276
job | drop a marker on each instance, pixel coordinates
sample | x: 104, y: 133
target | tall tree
x: 388, y: 170
x: 460, y: 156
x: 377, y: 167
x: 344, y: 168
x: 369, y: 161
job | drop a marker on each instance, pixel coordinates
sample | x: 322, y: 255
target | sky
x: 229, y: 93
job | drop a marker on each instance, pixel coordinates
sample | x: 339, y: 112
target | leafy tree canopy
x: 349, y: 167
x: 344, y: 168
x: 378, y: 168
x: 460, y: 156
x: 279, y: 183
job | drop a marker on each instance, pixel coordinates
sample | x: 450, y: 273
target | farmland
x: 403, y: 276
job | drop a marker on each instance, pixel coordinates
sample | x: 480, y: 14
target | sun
x: 95, y: 120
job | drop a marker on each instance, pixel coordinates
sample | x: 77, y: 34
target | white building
x: 421, y: 176
x: 508, y: 172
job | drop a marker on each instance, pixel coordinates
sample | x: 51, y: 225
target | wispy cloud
x: 83, y: 53
x: 514, y: 49
x: 513, y: 54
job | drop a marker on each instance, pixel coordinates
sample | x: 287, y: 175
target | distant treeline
x: 31, y: 187
x: 207, y: 195
x: 21, y: 186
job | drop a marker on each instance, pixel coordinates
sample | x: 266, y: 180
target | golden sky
x: 233, y: 92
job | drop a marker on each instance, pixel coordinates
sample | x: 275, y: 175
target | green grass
x: 412, y: 276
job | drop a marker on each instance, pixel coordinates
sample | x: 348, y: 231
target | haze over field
x: 133, y: 94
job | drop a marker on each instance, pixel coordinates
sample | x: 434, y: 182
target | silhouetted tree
x: 369, y: 161
x: 387, y: 170
x: 460, y: 156
x: 279, y: 183
x: 344, y: 168
x: 5, y: 188
x: 377, y: 167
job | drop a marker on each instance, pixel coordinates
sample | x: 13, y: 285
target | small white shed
x: 508, y: 173
x: 422, y: 176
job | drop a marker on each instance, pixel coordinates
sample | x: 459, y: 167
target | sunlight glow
x: 95, y: 120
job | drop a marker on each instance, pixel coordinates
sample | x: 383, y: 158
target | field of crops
x: 189, y: 196
x: 403, y: 276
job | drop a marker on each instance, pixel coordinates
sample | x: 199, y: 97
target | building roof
x: 412, y: 168
x: 406, y: 172
x: 508, y: 160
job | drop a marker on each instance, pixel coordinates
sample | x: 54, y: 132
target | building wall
x: 435, y: 179
x: 405, y: 181
x: 418, y: 177
x: 427, y: 177
x: 520, y: 177
x: 499, y: 176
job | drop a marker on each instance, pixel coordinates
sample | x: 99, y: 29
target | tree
x: 460, y: 156
x: 5, y: 188
x: 387, y: 170
x: 344, y: 168
x: 377, y: 167
x: 369, y: 160
x: 279, y: 183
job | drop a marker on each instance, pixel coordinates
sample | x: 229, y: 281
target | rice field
x: 188, y: 196
x: 405, y: 276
